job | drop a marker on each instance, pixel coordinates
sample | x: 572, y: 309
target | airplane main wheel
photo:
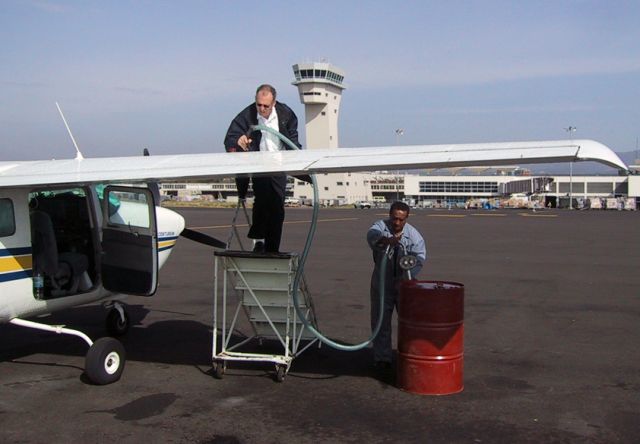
x: 116, y: 326
x: 105, y: 361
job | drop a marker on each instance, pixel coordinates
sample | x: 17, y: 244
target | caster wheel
x: 218, y: 369
x: 281, y: 372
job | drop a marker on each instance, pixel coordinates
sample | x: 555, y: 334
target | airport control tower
x: 320, y: 87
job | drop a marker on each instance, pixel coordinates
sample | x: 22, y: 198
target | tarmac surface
x: 551, y: 347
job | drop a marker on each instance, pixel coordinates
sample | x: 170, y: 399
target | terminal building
x: 320, y: 86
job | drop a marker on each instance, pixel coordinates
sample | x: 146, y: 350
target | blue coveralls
x: 414, y: 244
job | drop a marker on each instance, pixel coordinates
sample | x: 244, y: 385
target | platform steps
x: 264, y: 286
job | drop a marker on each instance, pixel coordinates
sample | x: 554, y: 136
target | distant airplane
x: 71, y: 233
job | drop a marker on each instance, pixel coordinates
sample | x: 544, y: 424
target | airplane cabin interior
x: 63, y: 242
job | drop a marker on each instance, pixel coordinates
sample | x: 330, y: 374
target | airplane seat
x: 64, y: 269
x: 43, y: 240
x: 73, y: 266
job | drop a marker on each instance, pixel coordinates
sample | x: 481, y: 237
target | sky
x: 169, y: 76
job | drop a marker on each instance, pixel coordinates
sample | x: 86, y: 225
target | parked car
x: 291, y: 202
x: 362, y: 204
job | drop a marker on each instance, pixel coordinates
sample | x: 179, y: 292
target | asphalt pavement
x: 552, y: 327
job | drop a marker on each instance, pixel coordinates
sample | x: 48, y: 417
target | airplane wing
x: 182, y: 167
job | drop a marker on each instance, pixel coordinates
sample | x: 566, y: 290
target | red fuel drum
x: 430, y: 337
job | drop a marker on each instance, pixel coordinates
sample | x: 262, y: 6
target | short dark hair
x: 398, y: 205
x: 266, y: 87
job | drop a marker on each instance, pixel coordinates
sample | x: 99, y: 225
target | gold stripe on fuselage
x: 169, y: 243
x: 15, y: 263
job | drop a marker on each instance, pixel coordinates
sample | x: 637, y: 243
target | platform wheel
x: 218, y: 369
x: 281, y: 372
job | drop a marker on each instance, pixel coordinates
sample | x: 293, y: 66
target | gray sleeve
x: 418, y: 249
x: 374, y: 234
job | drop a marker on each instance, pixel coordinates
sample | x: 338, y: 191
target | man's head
x: 265, y: 99
x: 398, y: 215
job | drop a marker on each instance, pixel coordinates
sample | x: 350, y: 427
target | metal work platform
x: 262, y: 285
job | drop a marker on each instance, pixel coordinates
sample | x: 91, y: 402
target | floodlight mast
x: 571, y: 130
x: 399, y: 133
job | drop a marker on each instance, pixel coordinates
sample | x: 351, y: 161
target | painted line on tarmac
x: 213, y: 227
x: 489, y: 215
x: 341, y: 219
x: 537, y: 215
x: 447, y: 215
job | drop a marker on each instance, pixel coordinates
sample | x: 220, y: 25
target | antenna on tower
x: 79, y: 155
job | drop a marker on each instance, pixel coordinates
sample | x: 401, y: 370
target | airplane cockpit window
x: 7, y: 218
x: 114, y: 203
x: 130, y: 211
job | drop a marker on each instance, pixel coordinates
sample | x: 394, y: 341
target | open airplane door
x: 129, y: 261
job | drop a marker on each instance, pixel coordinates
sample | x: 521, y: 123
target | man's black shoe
x: 258, y: 247
x: 383, y: 371
x: 382, y: 366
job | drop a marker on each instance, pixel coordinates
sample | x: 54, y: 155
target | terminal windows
x: 599, y: 187
x: 576, y: 187
x: 458, y: 187
x: 622, y: 188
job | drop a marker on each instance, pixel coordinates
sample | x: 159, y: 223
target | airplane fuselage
x: 77, y: 220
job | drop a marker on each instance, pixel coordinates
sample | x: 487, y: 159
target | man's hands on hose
x: 244, y: 141
x: 385, y: 241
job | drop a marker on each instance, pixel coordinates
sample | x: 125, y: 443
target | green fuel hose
x: 303, y: 258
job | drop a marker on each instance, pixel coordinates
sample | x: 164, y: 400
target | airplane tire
x: 115, y: 325
x: 105, y: 361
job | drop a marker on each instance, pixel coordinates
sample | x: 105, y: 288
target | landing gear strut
x: 105, y: 359
x: 117, y: 322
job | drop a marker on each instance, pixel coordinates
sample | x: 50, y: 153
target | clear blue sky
x: 171, y: 75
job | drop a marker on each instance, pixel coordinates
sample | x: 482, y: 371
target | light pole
x: 399, y: 132
x: 571, y: 130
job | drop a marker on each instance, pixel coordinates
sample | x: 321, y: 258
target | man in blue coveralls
x: 402, y: 239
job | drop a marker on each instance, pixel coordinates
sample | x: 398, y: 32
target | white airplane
x: 67, y: 240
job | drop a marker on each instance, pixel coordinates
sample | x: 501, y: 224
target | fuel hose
x: 303, y: 259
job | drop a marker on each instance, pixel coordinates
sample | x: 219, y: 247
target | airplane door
x: 129, y: 261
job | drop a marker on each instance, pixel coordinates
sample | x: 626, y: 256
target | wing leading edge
x: 217, y: 165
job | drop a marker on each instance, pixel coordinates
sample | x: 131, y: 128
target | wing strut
x: 202, y: 238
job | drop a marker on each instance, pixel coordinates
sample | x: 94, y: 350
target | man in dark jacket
x: 269, y: 191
